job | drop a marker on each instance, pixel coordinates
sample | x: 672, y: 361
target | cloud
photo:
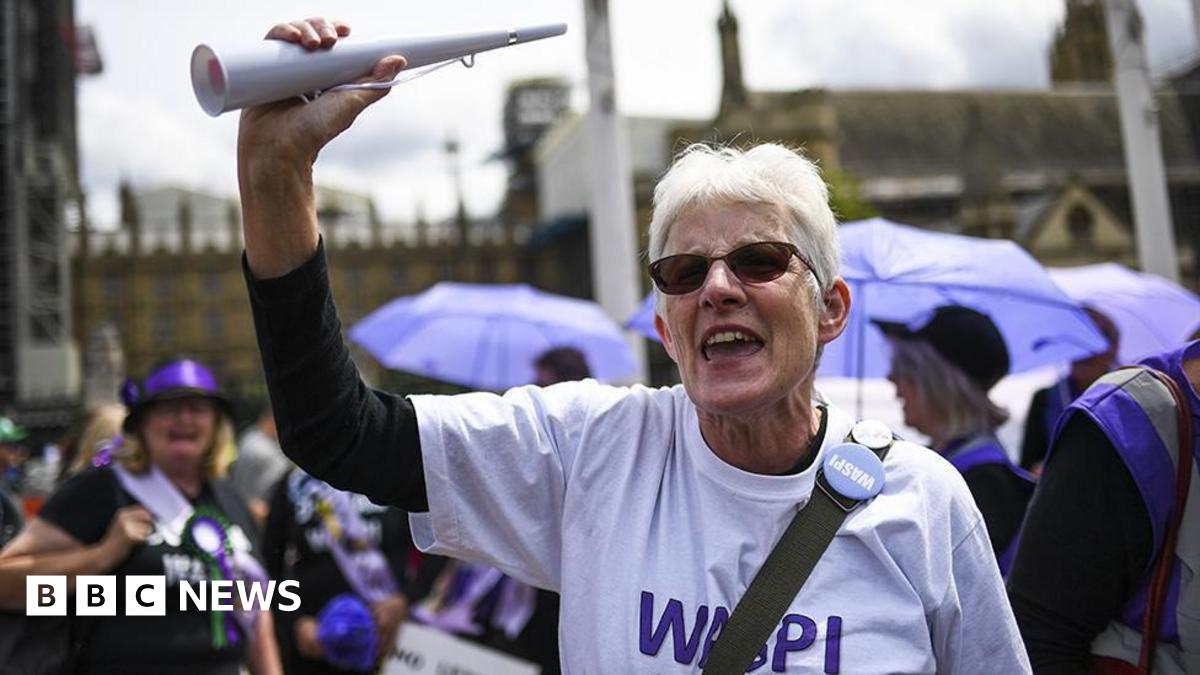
x: 130, y: 135
x: 139, y: 119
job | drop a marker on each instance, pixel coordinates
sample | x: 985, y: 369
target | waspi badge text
x: 46, y: 595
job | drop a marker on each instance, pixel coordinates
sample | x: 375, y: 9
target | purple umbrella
x: 1153, y: 314
x: 900, y: 273
x: 642, y: 321
x: 487, y: 336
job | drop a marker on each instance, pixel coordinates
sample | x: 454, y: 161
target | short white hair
x: 768, y: 174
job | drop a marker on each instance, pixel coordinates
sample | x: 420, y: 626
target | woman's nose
x: 721, y: 286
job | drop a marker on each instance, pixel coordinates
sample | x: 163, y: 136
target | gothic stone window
x: 1081, y: 226
x: 113, y: 287
x: 214, y: 326
x: 164, y: 330
x: 212, y: 283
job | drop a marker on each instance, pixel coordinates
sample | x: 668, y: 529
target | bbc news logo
x: 146, y: 595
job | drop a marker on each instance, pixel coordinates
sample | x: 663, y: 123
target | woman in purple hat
x: 156, y: 507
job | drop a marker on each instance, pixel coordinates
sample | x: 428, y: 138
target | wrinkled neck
x: 768, y: 442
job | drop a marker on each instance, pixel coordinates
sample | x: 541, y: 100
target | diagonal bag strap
x: 1160, y: 582
x: 780, y: 578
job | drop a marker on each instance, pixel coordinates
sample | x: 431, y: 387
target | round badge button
x: 872, y: 433
x: 853, y: 471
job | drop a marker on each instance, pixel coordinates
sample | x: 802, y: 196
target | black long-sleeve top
x: 1084, y: 550
x: 1037, y: 435
x: 330, y: 423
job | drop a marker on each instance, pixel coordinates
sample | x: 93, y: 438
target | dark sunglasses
x: 755, y: 263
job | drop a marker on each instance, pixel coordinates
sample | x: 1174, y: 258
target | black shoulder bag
x: 785, y: 570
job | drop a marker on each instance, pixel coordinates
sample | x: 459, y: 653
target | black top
x: 331, y: 424
x: 11, y: 519
x: 1037, y: 434
x: 1001, y: 497
x: 1084, y: 550
x: 176, y: 643
x: 294, y: 547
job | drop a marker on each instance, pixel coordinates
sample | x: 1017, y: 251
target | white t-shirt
x: 612, y: 497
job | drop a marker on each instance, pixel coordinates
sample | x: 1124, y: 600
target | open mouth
x: 182, y: 436
x: 731, y: 344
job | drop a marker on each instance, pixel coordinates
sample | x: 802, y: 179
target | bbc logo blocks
x: 45, y: 595
x: 146, y: 595
x: 95, y: 595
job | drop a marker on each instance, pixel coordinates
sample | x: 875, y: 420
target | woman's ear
x: 664, y: 334
x: 835, y: 313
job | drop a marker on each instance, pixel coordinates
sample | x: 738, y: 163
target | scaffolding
x: 39, y: 193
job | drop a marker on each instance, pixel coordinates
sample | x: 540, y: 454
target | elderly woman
x: 142, y: 515
x: 650, y: 510
x: 943, y: 372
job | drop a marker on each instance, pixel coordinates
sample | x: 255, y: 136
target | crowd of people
x: 596, y: 528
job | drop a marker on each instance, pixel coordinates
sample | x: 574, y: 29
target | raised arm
x: 277, y: 145
x: 330, y: 423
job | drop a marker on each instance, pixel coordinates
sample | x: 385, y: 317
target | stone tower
x: 733, y: 89
x: 1080, y: 52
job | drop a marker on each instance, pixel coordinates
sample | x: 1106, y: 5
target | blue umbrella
x: 901, y: 274
x: 642, y: 321
x: 487, y: 336
x: 1152, y: 314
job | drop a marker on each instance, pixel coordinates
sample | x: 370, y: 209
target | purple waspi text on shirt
x: 796, y: 633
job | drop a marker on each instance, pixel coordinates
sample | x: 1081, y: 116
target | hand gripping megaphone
x: 273, y: 70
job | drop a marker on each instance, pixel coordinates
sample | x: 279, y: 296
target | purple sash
x: 365, y: 569
x: 985, y: 449
x: 172, y: 511
x: 982, y: 449
x: 465, y: 586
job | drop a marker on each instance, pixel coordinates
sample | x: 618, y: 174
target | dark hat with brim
x: 966, y: 338
x: 177, y: 379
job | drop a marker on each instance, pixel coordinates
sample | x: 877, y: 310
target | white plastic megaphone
x: 272, y: 70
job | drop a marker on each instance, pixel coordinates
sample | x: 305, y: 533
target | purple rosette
x: 130, y: 393
x: 207, y: 535
x: 104, y: 454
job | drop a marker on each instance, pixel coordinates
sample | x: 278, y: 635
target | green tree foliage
x: 846, y: 198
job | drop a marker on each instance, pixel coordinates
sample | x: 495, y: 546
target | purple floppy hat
x: 180, y: 378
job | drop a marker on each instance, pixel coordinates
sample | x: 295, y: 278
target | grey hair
x: 960, y: 405
x: 768, y: 174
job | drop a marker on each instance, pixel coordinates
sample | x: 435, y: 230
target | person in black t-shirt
x: 943, y: 372
x: 305, y: 514
x: 106, y: 520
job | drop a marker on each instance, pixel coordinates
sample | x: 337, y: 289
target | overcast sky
x: 139, y: 119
